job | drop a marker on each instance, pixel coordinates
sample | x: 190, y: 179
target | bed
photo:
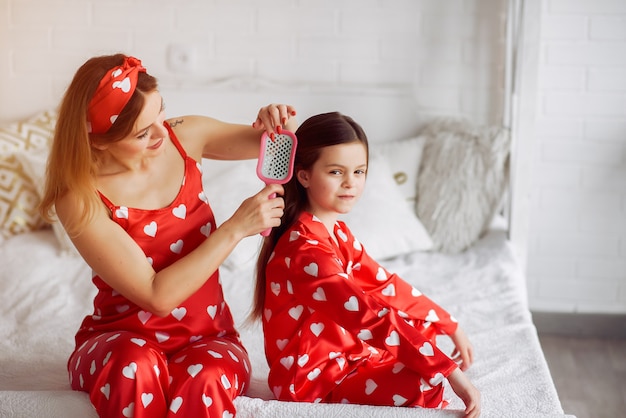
x: 432, y: 212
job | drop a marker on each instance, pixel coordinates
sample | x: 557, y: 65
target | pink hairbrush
x: 276, y: 158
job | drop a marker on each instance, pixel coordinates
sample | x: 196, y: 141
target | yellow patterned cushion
x: 18, y: 193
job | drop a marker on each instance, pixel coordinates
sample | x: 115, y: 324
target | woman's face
x: 336, y: 180
x: 148, y: 134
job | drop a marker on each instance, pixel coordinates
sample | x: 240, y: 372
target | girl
x: 339, y: 327
x: 126, y: 185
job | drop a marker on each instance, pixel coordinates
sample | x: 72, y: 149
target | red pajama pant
x: 128, y: 376
x: 385, y: 381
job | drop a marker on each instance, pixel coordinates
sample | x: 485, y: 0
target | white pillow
x: 462, y: 180
x: 18, y: 196
x: 404, y: 158
x: 381, y: 220
x: 227, y: 184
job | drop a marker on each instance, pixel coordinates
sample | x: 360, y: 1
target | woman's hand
x: 463, y: 352
x: 273, y: 117
x: 465, y: 390
x: 258, y: 213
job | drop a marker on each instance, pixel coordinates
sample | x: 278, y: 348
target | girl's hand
x: 273, y: 117
x: 258, y: 213
x: 465, y: 390
x: 463, y: 352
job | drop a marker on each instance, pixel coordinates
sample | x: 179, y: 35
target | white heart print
x: 313, y: 374
x: 130, y: 370
x: 123, y: 85
x: 436, y: 379
x: 194, y: 369
x: 296, y: 311
x: 139, y: 341
x: 179, y: 313
x: 180, y: 211
x: 176, y: 404
x: 150, y: 229
x: 365, y: 334
x: 129, y: 411
x: 319, y: 295
x: 427, y: 349
x: 303, y: 359
x: 177, y: 246
x: 311, y: 269
x: 122, y: 212
x: 144, y: 316
x: 225, y: 382
x: 215, y: 354
x: 146, y: 399
x: 106, y: 390
x: 370, y: 386
x: 281, y: 344
x: 162, y: 336
x: 317, y: 328
x: 275, y: 287
x: 432, y: 316
x: 397, y: 368
x: 287, y: 362
x: 206, y: 229
x: 390, y: 290
x: 352, y: 304
x: 393, y: 339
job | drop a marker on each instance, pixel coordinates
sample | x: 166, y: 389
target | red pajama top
x: 166, y: 235
x: 328, y: 306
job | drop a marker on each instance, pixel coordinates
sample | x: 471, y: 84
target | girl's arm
x: 395, y: 292
x: 120, y: 262
x: 391, y: 290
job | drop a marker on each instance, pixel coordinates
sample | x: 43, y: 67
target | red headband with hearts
x: 113, y: 93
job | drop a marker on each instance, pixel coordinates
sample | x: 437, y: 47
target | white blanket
x: 43, y: 298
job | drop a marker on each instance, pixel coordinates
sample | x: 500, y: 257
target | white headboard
x: 385, y: 113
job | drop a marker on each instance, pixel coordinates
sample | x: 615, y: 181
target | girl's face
x: 148, y: 134
x: 336, y: 180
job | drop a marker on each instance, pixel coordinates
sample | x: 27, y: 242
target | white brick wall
x: 450, y: 52
x: 577, y: 253
x: 414, y: 43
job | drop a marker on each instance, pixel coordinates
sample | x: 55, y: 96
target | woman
x: 126, y: 185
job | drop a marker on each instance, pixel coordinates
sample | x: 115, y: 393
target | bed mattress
x: 44, y: 296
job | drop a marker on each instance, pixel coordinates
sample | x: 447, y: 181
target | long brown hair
x: 315, y: 133
x: 72, y: 163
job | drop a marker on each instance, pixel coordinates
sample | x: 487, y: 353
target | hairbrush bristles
x: 276, y: 158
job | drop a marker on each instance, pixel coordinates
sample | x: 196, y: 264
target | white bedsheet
x: 43, y: 298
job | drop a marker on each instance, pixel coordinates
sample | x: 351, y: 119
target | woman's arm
x: 120, y: 262
x: 205, y: 137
